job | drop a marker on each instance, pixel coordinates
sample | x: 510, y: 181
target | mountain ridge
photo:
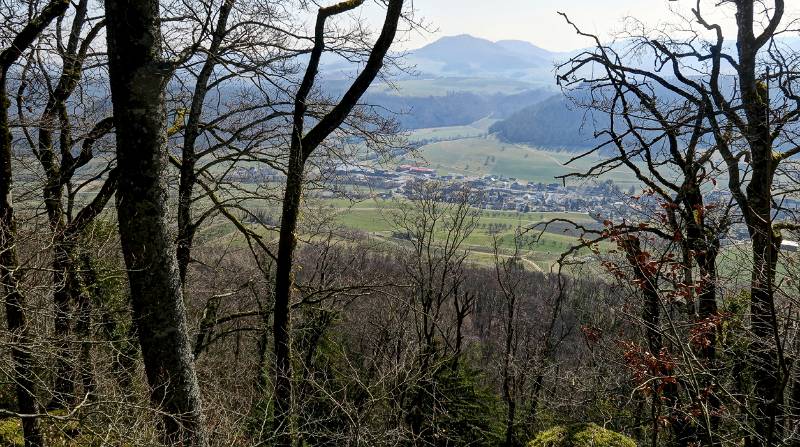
x: 467, y: 55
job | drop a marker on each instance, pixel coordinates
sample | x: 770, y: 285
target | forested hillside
x: 553, y: 122
x: 453, y: 108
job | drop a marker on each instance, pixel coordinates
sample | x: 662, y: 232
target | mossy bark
x: 765, y: 356
x: 138, y: 77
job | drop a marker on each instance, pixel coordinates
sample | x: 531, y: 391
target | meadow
x: 477, y: 129
x: 375, y: 217
x: 482, y: 155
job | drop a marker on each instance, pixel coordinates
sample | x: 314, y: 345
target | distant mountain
x: 460, y: 79
x: 465, y: 52
x: 466, y: 55
x: 525, y: 49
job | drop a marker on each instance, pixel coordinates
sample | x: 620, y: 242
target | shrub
x: 11, y: 433
x: 57, y: 432
x: 454, y: 408
x: 581, y: 435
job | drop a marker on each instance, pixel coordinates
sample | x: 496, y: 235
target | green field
x: 476, y: 129
x: 479, y: 156
x: 375, y: 217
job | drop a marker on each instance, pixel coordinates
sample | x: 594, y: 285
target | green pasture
x: 480, y: 156
x: 376, y: 217
x: 476, y: 129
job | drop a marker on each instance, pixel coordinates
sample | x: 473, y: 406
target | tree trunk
x: 283, y: 285
x: 67, y: 289
x: 16, y: 318
x: 138, y: 77
x: 301, y: 147
x: 508, y: 394
x: 651, y: 316
x: 764, y: 351
x: 84, y: 334
x: 186, y: 228
x: 704, y: 245
x: 766, y: 363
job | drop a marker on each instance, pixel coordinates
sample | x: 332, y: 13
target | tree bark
x: 138, y: 77
x: 302, y: 146
x: 765, y: 354
x: 16, y: 317
x: 186, y: 228
x: 283, y: 284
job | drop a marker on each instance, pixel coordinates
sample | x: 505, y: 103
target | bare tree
x: 508, y: 278
x: 138, y: 76
x: 236, y: 113
x: 16, y: 317
x: 303, y: 144
x: 435, y: 223
x: 62, y: 164
x: 738, y: 105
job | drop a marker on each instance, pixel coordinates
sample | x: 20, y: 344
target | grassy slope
x: 375, y: 217
x: 476, y: 129
x: 479, y: 156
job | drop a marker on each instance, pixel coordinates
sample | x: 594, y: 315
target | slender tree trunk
x: 533, y: 411
x: 64, y: 273
x: 708, y: 309
x: 59, y: 170
x: 511, y: 415
x: 283, y: 285
x: 764, y: 351
x: 186, y: 228
x: 651, y: 316
x: 508, y: 395
x: 16, y: 317
x: 138, y: 77
x: 64, y: 386
x: 83, y: 333
x: 301, y: 147
x: 67, y: 289
x: 704, y: 246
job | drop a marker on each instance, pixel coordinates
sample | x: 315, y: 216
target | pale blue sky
x: 532, y: 20
x: 537, y: 21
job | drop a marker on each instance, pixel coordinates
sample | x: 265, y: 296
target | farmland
x: 484, y: 155
x: 375, y: 217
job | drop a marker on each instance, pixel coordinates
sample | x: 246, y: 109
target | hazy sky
x: 537, y: 21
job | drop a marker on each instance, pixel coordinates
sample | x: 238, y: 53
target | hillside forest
x: 270, y: 223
